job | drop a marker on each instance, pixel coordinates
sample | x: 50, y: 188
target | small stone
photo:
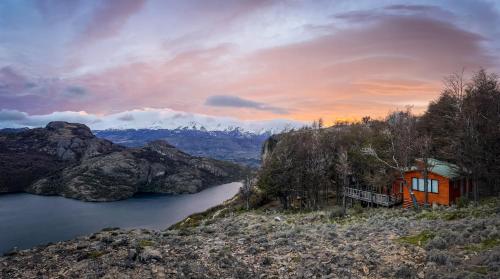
x: 366, y: 270
x: 80, y: 246
x: 132, y: 254
x: 150, y: 254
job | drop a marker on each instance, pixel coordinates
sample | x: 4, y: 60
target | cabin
x: 444, y: 185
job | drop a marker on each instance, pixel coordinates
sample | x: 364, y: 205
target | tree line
x: 309, y: 167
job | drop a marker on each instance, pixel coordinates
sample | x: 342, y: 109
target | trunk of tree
x: 475, y: 189
x: 343, y: 200
x: 426, y: 185
x: 462, y: 187
x: 467, y: 187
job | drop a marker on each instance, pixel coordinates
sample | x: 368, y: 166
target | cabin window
x: 417, y: 184
x: 421, y: 185
x: 435, y: 186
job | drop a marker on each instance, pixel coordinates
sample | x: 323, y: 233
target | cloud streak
x: 237, y: 102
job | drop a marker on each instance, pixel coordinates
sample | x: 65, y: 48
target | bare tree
x: 247, y: 191
x: 402, y: 134
x: 423, y: 144
x: 344, y: 169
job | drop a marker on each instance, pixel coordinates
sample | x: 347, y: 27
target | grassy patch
x: 484, y: 245
x: 419, y: 239
x: 144, y: 243
x: 479, y: 269
x: 95, y: 254
x: 428, y: 215
x: 454, y: 215
x: 194, y: 220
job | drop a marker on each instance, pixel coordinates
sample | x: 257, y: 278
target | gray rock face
x: 67, y: 159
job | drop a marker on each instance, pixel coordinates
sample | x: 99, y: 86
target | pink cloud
x: 366, y: 69
x: 108, y: 18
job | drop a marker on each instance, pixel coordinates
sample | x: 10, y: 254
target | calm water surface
x: 28, y: 220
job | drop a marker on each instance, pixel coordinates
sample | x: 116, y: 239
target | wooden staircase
x: 407, y: 204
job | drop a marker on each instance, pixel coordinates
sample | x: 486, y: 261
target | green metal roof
x: 442, y: 168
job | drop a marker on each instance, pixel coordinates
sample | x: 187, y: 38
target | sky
x: 109, y: 63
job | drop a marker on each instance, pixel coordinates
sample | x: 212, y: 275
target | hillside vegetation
x: 229, y: 243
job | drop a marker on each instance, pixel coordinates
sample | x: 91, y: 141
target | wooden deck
x: 368, y: 196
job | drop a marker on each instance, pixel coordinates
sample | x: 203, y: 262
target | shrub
x: 438, y: 257
x: 462, y: 202
x: 404, y: 271
x: 336, y: 212
x: 454, y: 215
x: 484, y: 245
x: 436, y: 243
x: 358, y: 208
x: 428, y: 215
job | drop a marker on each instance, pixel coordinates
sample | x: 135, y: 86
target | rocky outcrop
x: 67, y: 159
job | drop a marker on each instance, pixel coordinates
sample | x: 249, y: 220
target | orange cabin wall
x: 442, y: 198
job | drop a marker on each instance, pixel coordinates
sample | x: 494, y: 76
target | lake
x: 28, y: 220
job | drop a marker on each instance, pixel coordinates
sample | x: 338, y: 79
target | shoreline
x: 66, y: 219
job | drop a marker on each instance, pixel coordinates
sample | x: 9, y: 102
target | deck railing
x: 368, y: 196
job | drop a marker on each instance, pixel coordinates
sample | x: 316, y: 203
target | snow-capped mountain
x: 224, y: 138
x: 148, y: 118
x: 231, y: 145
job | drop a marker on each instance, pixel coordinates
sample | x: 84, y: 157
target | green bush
x: 358, y: 208
x: 336, y: 212
x: 462, y: 202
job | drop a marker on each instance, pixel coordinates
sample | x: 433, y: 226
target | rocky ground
x: 376, y: 243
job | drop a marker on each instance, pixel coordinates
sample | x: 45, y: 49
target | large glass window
x: 417, y: 184
x: 421, y: 184
x: 435, y: 186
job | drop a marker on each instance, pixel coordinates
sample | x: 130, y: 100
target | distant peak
x: 62, y: 127
x: 159, y: 144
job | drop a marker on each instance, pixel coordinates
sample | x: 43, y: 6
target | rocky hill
x: 369, y: 243
x: 67, y: 159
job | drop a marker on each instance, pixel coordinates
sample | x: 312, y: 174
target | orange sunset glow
x: 246, y: 60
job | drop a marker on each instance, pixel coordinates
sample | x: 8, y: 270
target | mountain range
x: 234, y: 145
x: 67, y: 159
